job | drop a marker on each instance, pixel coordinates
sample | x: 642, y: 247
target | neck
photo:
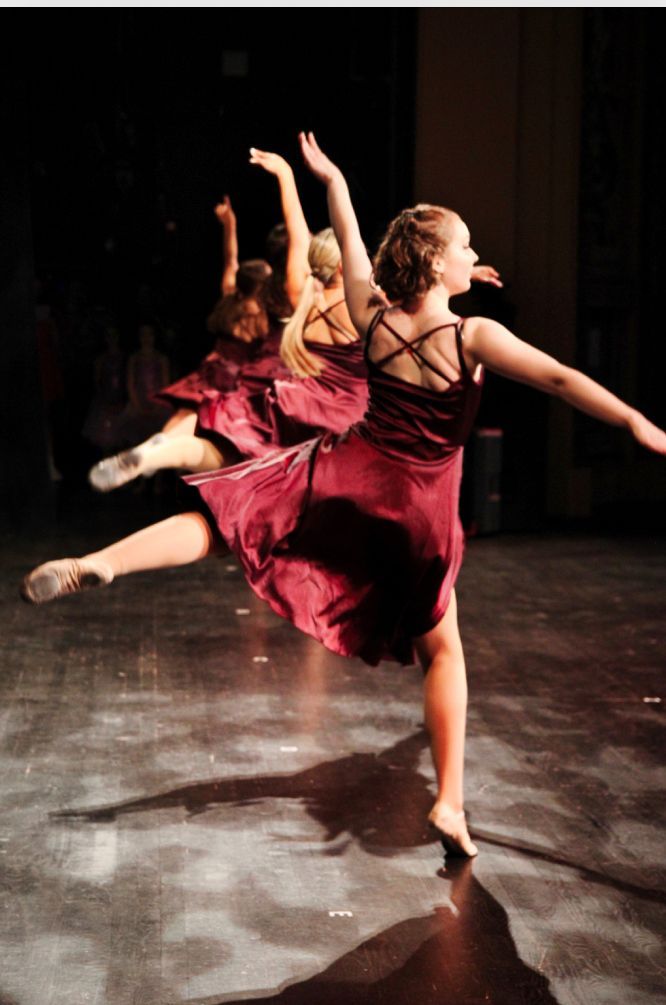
x: 435, y: 300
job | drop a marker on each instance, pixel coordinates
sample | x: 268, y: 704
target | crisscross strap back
x: 412, y: 347
x: 326, y: 316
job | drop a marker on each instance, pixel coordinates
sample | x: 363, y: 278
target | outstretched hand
x: 486, y: 274
x: 316, y: 160
x: 272, y: 163
x: 224, y: 212
x: 647, y: 434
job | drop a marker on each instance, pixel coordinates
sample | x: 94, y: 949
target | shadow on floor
x: 459, y: 955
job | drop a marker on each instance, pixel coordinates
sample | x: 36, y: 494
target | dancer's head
x: 325, y: 264
x: 251, y: 276
x: 324, y: 256
x: 424, y: 247
x: 237, y: 317
x: 277, y: 243
x: 273, y: 296
x: 146, y: 336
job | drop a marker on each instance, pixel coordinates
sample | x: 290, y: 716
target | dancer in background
x: 147, y: 372
x: 239, y: 322
x: 356, y: 538
x: 102, y: 424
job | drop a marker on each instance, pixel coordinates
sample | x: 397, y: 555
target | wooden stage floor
x: 201, y: 805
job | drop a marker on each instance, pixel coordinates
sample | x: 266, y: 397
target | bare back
x: 426, y: 349
x: 329, y: 322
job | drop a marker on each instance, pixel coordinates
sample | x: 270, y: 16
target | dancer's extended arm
x: 297, y: 229
x: 227, y: 217
x: 493, y: 345
x: 356, y: 266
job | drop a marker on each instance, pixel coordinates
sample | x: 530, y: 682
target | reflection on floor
x: 201, y: 805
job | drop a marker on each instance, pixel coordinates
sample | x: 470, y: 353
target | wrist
x: 631, y: 418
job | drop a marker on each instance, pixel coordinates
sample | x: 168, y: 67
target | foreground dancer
x: 356, y: 538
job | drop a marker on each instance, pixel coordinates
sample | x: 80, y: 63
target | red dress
x: 356, y: 538
x: 260, y: 416
x: 219, y: 371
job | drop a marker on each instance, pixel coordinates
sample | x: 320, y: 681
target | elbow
x: 559, y: 380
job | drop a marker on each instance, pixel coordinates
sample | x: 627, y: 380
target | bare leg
x: 177, y: 541
x: 182, y: 423
x: 445, y: 699
x: 191, y: 453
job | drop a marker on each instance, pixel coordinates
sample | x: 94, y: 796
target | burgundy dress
x: 255, y: 419
x: 356, y: 538
x: 219, y: 371
x: 266, y: 366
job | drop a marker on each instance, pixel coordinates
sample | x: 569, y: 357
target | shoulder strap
x: 459, y: 348
x: 413, y: 347
x: 326, y: 316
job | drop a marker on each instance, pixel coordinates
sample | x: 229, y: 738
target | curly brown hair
x: 404, y: 262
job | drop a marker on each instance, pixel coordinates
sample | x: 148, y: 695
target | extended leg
x: 177, y: 541
x: 183, y: 422
x: 189, y: 452
x: 445, y: 698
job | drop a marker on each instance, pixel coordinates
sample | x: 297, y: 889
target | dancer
x: 147, y: 372
x: 356, y: 538
x: 239, y: 322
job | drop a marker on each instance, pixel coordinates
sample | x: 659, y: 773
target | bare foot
x: 452, y: 830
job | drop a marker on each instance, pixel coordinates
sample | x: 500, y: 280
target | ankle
x: 448, y: 807
x: 102, y: 561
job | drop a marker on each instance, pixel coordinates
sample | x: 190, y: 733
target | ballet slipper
x: 66, y: 575
x: 451, y: 829
x: 122, y: 468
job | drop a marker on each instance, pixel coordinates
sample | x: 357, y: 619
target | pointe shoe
x: 122, y: 468
x: 66, y: 575
x: 451, y: 829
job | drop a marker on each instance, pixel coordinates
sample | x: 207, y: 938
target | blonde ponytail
x: 324, y: 258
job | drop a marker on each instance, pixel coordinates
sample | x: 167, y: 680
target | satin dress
x: 263, y: 414
x: 356, y: 537
x: 219, y: 371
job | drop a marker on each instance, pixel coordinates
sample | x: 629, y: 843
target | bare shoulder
x: 478, y: 328
x: 490, y: 343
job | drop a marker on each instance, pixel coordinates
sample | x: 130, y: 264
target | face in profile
x: 458, y: 259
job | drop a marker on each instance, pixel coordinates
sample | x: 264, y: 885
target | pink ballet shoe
x: 451, y: 830
x: 122, y: 468
x: 66, y: 575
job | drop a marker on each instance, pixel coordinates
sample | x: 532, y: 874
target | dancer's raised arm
x: 227, y: 217
x: 499, y: 350
x: 297, y: 229
x: 356, y: 266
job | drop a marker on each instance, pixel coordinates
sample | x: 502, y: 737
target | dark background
x: 123, y: 128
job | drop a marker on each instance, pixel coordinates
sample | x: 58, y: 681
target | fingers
x: 487, y: 274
